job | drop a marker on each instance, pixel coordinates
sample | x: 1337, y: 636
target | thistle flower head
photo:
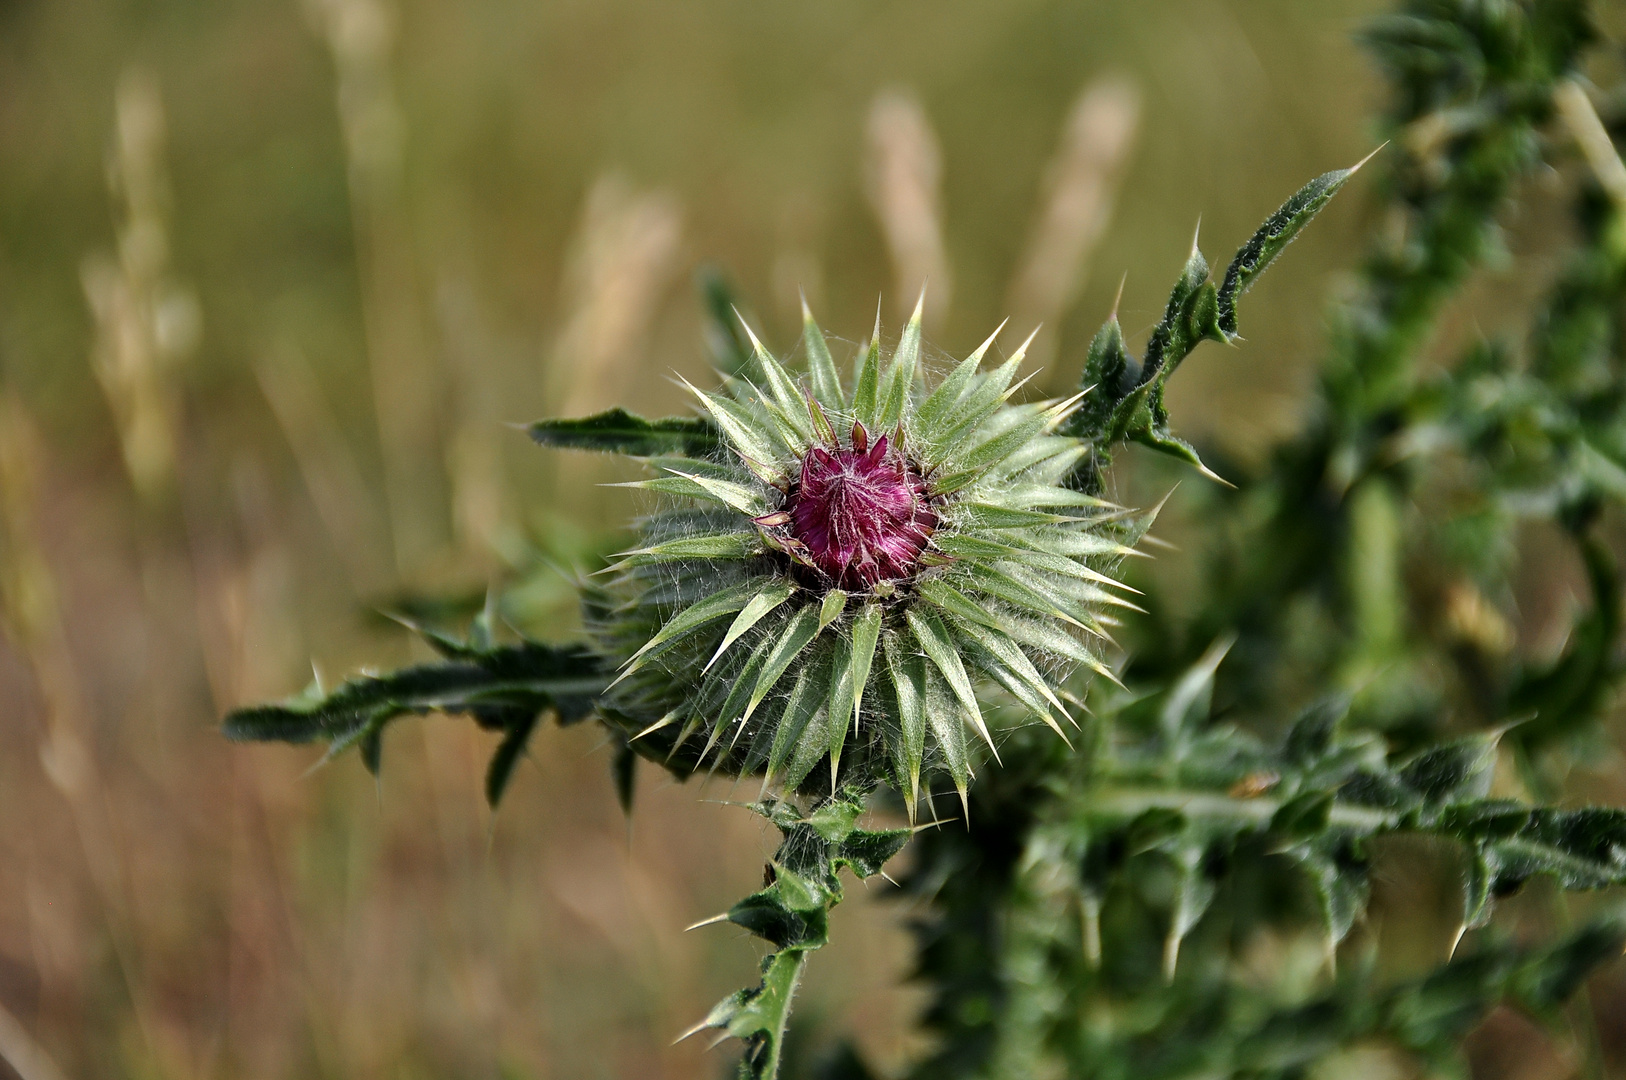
x: 864, y: 576
x: 858, y: 515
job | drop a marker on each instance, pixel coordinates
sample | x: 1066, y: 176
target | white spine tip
x: 1355, y: 168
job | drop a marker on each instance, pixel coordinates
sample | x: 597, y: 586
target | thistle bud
x: 860, y: 577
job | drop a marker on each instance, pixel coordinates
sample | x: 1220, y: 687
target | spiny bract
x: 868, y: 571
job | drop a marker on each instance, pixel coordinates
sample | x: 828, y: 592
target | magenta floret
x: 860, y: 516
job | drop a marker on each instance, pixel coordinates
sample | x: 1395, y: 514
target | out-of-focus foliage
x: 1093, y: 921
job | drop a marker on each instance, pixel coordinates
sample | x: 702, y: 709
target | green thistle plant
x: 872, y: 575
x: 881, y: 577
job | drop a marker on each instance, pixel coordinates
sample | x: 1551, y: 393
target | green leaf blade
x: 618, y: 431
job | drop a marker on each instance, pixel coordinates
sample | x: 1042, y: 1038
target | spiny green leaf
x: 947, y: 724
x: 984, y: 397
x: 1046, y: 636
x: 372, y: 749
x: 866, y: 631
x: 675, y: 463
x: 1158, y: 438
x: 1276, y: 233
x: 758, y: 1017
x: 947, y: 393
x: 1427, y: 1015
x: 1340, y: 882
x: 736, y: 545
x: 739, y: 688
x: 1024, y: 681
x: 867, y: 378
x: 1086, y: 544
x: 1188, y: 317
x: 908, y: 678
x: 766, y: 600
x: 621, y: 432
x: 795, y: 722
x: 501, y: 768
x: 1028, y: 495
x: 1002, y: 581
x: 624, y: 772
x: 738, y: 496
x: 786, y: 394
x: 792, y: 912
x: 803, y: 628
x: 934, y: 641
x: 1008, y: 441
x: 821, y: 368
x: 1026, y: 549
x: 1194, y: 893
x: 840, y: 706
x: 900, y: 377
x: 866, y: 851
x: 506, y: 688
x: 834, y: 603
x: 791, y: 433
x: 735, y: 496
x: 1048, y: 459
x: 1187, y: 705
x: 1107, y: 367
x: 754, y: 447
x: 1454, y: 772
x: 697, y: 615
x: 980, y: 515
x: 530, y: 674
x: 1579, y: 849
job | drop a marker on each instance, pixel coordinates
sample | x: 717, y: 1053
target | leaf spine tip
x: 980, y: 350
x: 1022, y: 350
x: 697, y: 1029
x: 755, y: 342
x: 1355, y: 168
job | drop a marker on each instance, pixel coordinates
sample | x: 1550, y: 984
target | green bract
x: 736, y: 651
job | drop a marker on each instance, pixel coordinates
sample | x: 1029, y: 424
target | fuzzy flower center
x: 861, y: 516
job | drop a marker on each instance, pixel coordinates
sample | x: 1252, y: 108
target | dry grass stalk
x: 481, y: 520
x: 335, y: 482
x: 25, y: 1057
x: 620, y: 264
x: 903, y: 174
x: 1594, y: 139
x: 407, y: 391
x: 1076, y: 204
x: 28, y: 589
x: 146, y: 322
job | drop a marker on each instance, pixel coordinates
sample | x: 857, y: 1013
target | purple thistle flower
x: 860, y: 516
x: 838, y: 584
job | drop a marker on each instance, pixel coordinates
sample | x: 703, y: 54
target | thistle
x: 887, y: 574
x: 881, y: 572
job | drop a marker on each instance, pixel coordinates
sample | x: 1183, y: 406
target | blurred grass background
x: 274, y: 278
